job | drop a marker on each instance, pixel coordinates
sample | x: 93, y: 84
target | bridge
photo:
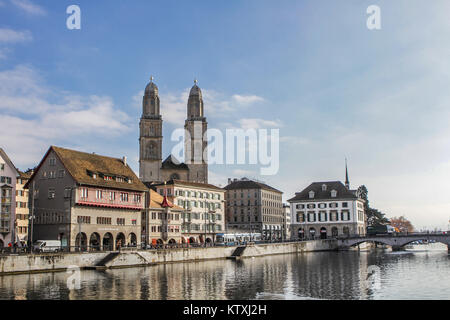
x: 396, y: 241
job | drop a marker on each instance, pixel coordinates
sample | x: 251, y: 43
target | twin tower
x: 151, y: 167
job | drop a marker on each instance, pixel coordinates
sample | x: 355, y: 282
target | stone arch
x: 81, y: 246
x: 108, y: 242
x: 132, y: 239
x: 120, y: 240
x: 94, y: 241
x: 301, y: 233
x: 208, y: 241
x: 172, y: 242
x: 335, y: 232
x: 312, y: 233
x: 323, y: 233
x: 174, y: 176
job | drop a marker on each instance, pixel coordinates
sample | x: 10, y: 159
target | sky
x: 311, y: 69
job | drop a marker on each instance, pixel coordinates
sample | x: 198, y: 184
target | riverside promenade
x: 53, y: 262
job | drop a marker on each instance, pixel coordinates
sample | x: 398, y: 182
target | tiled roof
x: 156, y: 201
x: 79, y: 164
x: 249, y: 184
x: 319, y: 194
x: 189, y: 184
x: 169, y: 163
x: 82, y: 165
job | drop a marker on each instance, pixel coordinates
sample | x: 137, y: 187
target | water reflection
x: 321, y: 275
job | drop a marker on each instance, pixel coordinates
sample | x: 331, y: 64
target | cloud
x: 29, y: 7
x: 12, y: 36
x: 255, y: 123
x: 34, y: 116
x: 247, y: 100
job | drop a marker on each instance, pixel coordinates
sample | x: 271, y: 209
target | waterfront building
x: 162, y: 220
x: 22, y: 207
x: 151, y: 167
x: 86, y: 200
x: 287, y: 221
x: 203, y: 206
x: 327, y: 209
x: 253, y: 206
x: 8, y: 180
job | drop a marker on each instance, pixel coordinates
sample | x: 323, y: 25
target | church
x: 152, y: 169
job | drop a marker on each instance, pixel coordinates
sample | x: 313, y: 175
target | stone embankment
x: 52, y: 262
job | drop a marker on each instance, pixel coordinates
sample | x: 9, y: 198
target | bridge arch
x: 396, y: 242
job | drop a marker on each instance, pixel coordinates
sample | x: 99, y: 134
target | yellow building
x: 22, y: 209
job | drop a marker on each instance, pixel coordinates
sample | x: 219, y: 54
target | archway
x: 301, y: 233
x: 159, y: 242
x: 172, y: 242
x: 334, y: 232
x: 312, y: 233
x: 120, y: 241
x: 192, y: 240
x: 108, y: 242
x: 94, y: 241
x: 132, y: 240
x: 346, y: 231
x: 208, y: 241
x: 83, y: 245
x: 183, y: 240
x: 323, y: 233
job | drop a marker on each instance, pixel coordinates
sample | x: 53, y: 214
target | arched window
x: 174, y: 176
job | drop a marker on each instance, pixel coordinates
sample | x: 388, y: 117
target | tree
x: 374, y: 216
x: 402, y: 224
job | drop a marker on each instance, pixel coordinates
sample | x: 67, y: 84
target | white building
x: 287, y: 221
x: 204, y: 204
x: 8, y: 180
x: 327, y: 209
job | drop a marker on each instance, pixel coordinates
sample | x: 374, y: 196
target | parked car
x: 47, y: 246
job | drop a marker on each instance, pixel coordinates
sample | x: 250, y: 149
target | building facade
x: 287, y: 221
x: 327, y: 210
x: 8, y: 180
x: 151, y: 167
x: 203, y: 206
x: 255, y: 207
x: 85, y: 200
x: 22, y: 207
x: 161, y: 223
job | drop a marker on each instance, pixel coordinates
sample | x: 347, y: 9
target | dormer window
x: 333, y: 193
x: 311, y: 194
x: 324, y: 187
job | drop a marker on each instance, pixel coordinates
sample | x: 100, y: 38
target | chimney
x: 124, y: 160
x: 229, y: 180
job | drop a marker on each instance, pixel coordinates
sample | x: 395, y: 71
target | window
x: 84, y: 193
x: 134, y: 222
x: 52, y: 161
x: 2, y: 166
x: 333, y: 193
x: 311, y: 194
x: 98, y: 194
x: 61, y: 173
x: 124, y: 197
x: 112, y: 196
x: 67, y: 192
x: 120, y: 221
x: 102, y: 220
x: 51, y: 193
x: 345, y: 204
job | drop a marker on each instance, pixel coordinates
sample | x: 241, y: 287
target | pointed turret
x: 347, y: 182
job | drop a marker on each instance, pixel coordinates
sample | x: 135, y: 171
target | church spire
x: 347, y: 182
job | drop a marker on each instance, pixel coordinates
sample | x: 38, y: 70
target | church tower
x: 195, y: 139
x: 150, y: 138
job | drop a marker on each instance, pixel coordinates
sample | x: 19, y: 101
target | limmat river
x: 420, y: 273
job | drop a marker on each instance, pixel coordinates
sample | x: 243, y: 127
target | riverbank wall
x: 52, y: 262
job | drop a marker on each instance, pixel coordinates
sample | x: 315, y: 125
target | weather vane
x: 151, y: 78
x: 195, y: 81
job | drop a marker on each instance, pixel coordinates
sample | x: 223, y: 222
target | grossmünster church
x: 151, y: 167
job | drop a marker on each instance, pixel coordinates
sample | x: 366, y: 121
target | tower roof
x: 195, y: 90
x: 151, y: 87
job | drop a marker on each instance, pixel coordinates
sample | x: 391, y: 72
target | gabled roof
x: 82, y: 166
x: 157, y: 201
x: 249, y: 184
x: 319, y: 194
x: 170, y: 163
x: 8, y: 161
x: 189, y: 184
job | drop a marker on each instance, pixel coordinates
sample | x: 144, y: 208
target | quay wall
x: 51, y: 262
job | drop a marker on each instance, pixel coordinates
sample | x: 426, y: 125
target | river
x: 419, y: 273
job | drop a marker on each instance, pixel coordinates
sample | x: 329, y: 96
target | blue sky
x: 310, y: 68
